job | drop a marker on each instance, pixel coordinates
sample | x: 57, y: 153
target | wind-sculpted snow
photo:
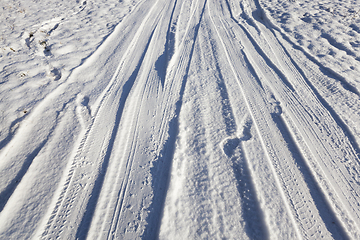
x: 192, y: 120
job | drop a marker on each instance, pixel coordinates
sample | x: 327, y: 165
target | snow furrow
x: 339, y: 140
x: 114, y: 205
x: 127, y: 218
x: 238, y: 131
x: 274, y: 153
x: 278, y: 221
x: 95, y: 171
x: 217, y: 22
x: 201, y: 174
x: 192, y: 120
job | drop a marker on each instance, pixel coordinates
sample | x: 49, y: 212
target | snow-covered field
x: 179, y: 119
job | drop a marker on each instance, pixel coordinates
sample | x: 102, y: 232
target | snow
x: 157, y: 119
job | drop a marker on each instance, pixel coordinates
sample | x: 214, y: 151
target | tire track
x: 275, y: 161
x: 190, y: 209
x: 163, y: 146
x: 127, y: 218
x: 249, y: 104
x: 81, y: 167
x: 17, y: 159
x: 20, y: 167
x: 326, y: 71
x: 255, y: 227
x: 203, y: 200
x: 43, y: 124
x: 275, y: 155
x: 328, y: 123
x: 233, y: 147
x: 84, y: 226
x: 171, y: 104
x: 276, y: 217
x: 74, y: 184
x: 115, y: 220
x: 287, y: 63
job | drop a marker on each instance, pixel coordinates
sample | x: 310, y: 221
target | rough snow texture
x: 179, y: 119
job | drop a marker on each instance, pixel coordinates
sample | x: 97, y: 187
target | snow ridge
x: 204, y: 119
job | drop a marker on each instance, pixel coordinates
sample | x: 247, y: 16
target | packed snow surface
x: 179, y: 119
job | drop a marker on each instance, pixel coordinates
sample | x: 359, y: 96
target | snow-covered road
x: 194, y: 119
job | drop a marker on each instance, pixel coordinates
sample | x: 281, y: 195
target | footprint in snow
x: 230, y: 144
x: 83, y: 110
x: 55, y: 73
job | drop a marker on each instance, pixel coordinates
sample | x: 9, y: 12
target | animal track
x: 83, y: 110
x: 55, y: 73
x: 230, y: 144
x: 275, y: 105
x: 37, y: 41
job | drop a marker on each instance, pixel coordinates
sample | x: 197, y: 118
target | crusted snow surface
x: 179, y: 119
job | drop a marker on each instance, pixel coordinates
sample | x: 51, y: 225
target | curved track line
x: 145, y: 83
x: 328, y: 123
x: 72, y: 190
x: 267, y: 144
x: 71, y: 187
x: 279, y: 184
x: 129, y: 153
